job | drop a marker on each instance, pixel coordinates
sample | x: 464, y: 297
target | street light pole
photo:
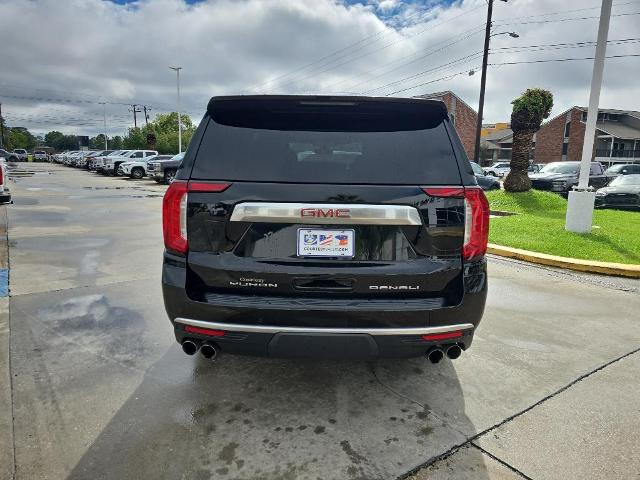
x: 104, y: 120
x: 177, y: 70
x: 581, y: 200
x: 1, y: 128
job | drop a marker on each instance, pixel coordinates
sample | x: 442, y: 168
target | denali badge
x: 325, y: 212
x: 394, y: 287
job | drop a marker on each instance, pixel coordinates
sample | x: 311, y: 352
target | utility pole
x: 582, y: 198
x: 1, y: 128
x: 177, y: 70
x: 104, y: 120
x: 483, y: 78
x: 146, y: 115
x: 135, y: 110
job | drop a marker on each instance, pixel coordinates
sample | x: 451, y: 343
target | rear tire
x: 493, y: 174
x: 169, y: 175
x: 137, y: 173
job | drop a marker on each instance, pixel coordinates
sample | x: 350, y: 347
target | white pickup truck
x: 5, y: 194
x: 112, y: 163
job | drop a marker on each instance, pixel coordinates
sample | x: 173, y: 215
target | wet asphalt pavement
x: 100, y: 389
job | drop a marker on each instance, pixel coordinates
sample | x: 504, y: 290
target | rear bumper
x: 328, y: 343
x: 322, y: 328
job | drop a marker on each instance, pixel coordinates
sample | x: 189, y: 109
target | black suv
x: 334, y: 227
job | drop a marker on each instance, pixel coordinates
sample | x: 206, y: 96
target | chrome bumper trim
x: 325, y: 213
x: 233, y: 327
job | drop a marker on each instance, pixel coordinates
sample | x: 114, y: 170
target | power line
x: 379, y: 34
x: 568, y: 44
x: 563, y: 59
x: 448, y: 77
x: 422, y: 55
x: 570, y: 19
x: 464, y: 59
x: 563, y: 12
x: 316, y: 72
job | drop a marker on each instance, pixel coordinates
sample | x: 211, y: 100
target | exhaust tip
x: 209, y: 351
x: 189, y: 347
x: 435, y: 355
x: 454, y: 351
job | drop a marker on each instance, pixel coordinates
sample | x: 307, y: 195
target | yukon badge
x: 325, y: 212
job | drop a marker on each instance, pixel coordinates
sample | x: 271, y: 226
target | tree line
x: 161, y: 134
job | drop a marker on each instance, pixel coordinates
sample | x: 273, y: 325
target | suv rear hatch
x: 337, y: 200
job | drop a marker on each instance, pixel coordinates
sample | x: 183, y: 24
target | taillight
x: 174, y: 211
x: 476, y: 217
x: 1, y: 175
x: 174, y: 217
x: 476, y: 224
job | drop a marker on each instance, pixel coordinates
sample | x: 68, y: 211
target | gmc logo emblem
x: 325, y: 212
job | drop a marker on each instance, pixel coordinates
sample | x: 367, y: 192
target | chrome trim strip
x: 233, y: 327
x: 268, y: 212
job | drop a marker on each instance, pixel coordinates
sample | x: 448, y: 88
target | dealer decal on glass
x: 325, y: 243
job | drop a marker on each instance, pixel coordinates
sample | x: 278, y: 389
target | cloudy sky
x: 59, y: 59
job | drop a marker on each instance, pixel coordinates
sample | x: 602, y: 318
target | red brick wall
x: 576, y: 136
x: 550, y: 138
x: 465, y: 121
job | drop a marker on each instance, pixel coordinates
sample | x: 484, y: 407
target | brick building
x: 617, y: 138
x: 463, y: 117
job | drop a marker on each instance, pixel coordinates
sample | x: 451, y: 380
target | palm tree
x: 529, y: 110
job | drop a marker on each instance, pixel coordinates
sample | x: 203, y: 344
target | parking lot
x: 99, y: 388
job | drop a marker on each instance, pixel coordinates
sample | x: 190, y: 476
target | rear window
x: 327, y: 142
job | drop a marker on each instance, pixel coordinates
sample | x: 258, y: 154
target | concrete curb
x: 590, y: 266
x: 6, y: 408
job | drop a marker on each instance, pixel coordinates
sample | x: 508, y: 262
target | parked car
x: 21, y: 154
x: 138, y: 169
x: 534, y: 168
x: 83, y: 160
x: 622, y: 192
x: 5, y: 194
x: 486, y: 182
x: 623, y: 169
x: 163, y: 168
x: 498, y: 169
x: 40, y: 156
x: 8, y: 156
x: 94, y: 159
x: 80, y: 161
x: 561, y: 177
x: 111, y: 162
x: 102, y: 161
x: 289, y: 233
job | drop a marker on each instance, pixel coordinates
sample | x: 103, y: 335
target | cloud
x: 79, y: 52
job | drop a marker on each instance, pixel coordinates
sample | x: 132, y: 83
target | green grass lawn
x: 539, y: 227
